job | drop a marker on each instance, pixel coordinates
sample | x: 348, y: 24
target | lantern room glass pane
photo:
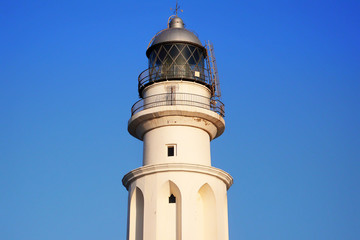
x: 167, y: 47
x: 192, y: 48
x: 196, y: 56
x: 180, y: 46
x: 174, y: 52
x: 180, y: 60
x: 172, y: 60
x: 186, y: 52
x: 191, y: 60
x: 162, y: 54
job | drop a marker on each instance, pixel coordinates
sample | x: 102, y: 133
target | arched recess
x: 169, y: 212
x: 136, y: 215
x: 206, y: 205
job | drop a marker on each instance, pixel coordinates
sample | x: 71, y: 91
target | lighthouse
x: 176, y: 194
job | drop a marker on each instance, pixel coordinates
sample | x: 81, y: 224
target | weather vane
x: 176, y: 9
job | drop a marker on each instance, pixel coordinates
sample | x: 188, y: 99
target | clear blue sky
x: 290, y: 78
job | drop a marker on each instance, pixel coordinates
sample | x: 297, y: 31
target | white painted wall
x: 198, y: 214
x: 178, y: 86
x: 192, y: 145
x: 200, y: 211
x: 169, y: 214
x: 136, y: 222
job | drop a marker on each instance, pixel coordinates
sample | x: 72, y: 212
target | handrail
x: 176, y: 99
x: 175, y: 72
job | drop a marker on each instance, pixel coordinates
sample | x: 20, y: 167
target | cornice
x: 176, y: 167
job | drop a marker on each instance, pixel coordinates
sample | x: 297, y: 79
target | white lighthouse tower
x: 177, y: 194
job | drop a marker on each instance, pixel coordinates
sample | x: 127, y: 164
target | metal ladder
x: 213, y: 72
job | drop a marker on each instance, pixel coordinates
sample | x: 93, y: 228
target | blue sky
x: 289, y: 73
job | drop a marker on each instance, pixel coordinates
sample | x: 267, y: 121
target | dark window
x: 180, y: 60
x: 196, y: 56
x: 171, y: 151
x: 172, y: 199
x: 174, y: 52
x: 192, y: 60
x: 167, y: 47
x: 162, y: 54
x: 192, y: 49
x: 186, y: 52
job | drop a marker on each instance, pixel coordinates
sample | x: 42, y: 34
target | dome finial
x: 176, y: 9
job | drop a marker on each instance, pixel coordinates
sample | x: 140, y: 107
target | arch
x: 207, y: 219
x: 136, y: 215
x: 169, y: 212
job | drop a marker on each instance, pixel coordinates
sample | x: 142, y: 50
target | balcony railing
x: 179, y: 99
x: 175, y: 72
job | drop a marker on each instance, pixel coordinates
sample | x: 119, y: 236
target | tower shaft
x: 177, y: 194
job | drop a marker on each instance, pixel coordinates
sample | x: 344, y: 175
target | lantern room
x: 175, y: 53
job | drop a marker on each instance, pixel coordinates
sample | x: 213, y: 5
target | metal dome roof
x: 175, y: 33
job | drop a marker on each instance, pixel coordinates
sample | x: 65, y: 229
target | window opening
x: 172, y: 199
x: 171, y: 151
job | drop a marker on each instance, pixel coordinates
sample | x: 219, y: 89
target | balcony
x: 179, y: 99
x: 173, y: 72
